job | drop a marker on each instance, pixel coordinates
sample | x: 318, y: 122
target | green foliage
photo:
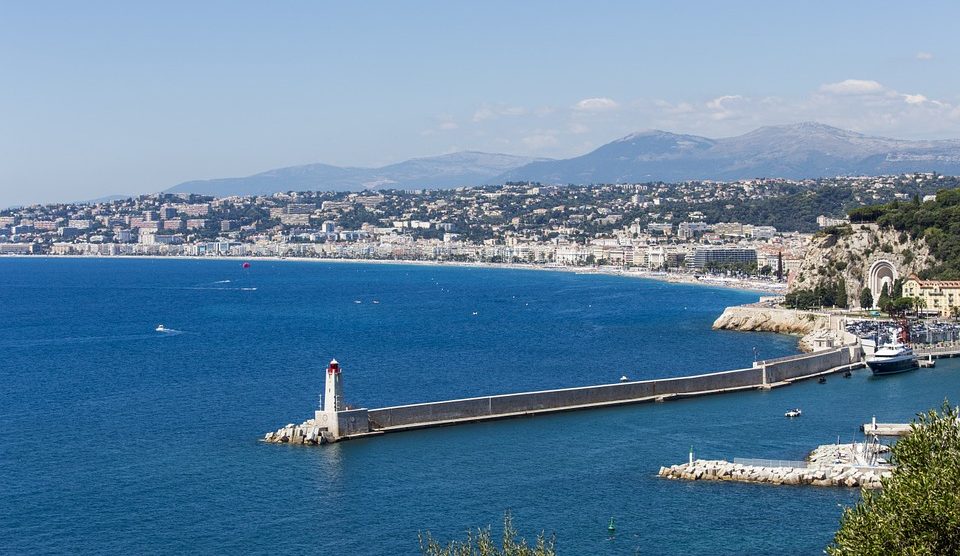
x: 866, y: 214
x: 866, y: 298
x: 937, y: 222
x: 830, y: 294
x: 840, y: 297
x: 918, y: 509
x: 884, y: 300
x: 480, y: 543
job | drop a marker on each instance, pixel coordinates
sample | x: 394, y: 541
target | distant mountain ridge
x: 795, y: 151
x: 449, y: 170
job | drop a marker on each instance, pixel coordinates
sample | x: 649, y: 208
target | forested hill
x: 937, y: 222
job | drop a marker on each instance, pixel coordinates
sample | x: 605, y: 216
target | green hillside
x: 936, y: 222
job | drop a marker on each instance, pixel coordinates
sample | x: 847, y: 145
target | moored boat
x: 892, y: 359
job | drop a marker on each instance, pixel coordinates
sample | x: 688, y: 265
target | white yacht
x: 892, y: 358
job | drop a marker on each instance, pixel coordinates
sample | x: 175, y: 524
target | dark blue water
x: 117, y: 439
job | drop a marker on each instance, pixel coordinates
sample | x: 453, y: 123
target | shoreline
x: 672, y: 278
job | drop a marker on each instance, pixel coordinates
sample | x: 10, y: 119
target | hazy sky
x: 98, y: 98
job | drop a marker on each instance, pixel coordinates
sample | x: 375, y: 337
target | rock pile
x: 308, y: 432
x: 720, y: 470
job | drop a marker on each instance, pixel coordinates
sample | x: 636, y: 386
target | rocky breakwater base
x: 307, y: 433
x: 825, y: 468
x: 760, y: 318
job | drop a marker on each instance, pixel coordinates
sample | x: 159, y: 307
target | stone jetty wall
x: 488, y: 407
x: 827, y: 475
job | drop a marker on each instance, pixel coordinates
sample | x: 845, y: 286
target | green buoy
x: 611, y: 527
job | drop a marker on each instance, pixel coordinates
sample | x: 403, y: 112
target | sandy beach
x: 671, y: 277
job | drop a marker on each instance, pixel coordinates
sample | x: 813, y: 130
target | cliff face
x: 767, y: 319
x: 851, y: 254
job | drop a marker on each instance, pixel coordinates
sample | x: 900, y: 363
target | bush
x: 481, y: 544
x: 918, y: 509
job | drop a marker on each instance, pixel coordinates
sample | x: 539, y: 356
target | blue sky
x: 98, y: 98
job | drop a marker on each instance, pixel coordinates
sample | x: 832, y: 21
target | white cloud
x: 914, y: 99
x: 596, y: 104
x: 578, y: 128
x: 924, y: 56
x: 490, y: 112
x: 853, y: 87
x: 448, y: 125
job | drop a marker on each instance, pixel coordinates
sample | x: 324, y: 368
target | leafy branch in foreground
x: 918, y: 509
x: 480, y: 543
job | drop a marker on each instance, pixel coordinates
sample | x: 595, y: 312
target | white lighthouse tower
x: 335, y: 419
x: 333, y: 393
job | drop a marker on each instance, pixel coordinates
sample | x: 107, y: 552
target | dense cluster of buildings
x: 656, y: 226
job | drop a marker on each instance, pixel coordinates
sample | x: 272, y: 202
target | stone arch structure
x: 882, y: 272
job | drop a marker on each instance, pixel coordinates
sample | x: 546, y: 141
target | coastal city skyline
x: 86, y: 118
x: 480, y: 278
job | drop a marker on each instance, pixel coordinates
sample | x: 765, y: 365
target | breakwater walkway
x: 336, y: 422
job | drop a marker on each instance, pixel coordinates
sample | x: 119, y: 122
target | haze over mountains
x: 804, y: 150
x: 449, y: 170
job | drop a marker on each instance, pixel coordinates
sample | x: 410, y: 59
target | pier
x: 336, y: 422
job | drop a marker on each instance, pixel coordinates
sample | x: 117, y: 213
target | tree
x: 866, y: 298
x: 482, y: 544
x: 840, y: 298
x: 918, y: 509
x: 884, y: 301
x: 779, y: 265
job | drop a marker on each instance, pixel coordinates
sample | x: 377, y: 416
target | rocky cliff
x: 849, y: 252
x: 747, y: 318
x: 770, y: 319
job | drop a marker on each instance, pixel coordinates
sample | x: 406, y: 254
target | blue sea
x: 117, y: 439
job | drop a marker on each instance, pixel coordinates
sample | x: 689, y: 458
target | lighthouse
x: 333, y: 393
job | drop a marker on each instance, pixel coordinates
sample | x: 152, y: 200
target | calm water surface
x: 117, y: 439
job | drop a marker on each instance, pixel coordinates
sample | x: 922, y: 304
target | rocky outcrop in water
x: 770, y: 319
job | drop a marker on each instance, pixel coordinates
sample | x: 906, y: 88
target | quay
x: 335, y: 421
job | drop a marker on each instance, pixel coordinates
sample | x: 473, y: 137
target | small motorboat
x: 161, y: 328
x: 793, y: 413
x: 624, y: 379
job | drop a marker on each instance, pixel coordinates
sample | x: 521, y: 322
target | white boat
x: 891, y: 359
x: 624, y: 379
x: 793, y: 413
x: 161, y: 328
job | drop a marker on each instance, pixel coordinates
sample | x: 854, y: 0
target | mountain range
x: 796, y: 151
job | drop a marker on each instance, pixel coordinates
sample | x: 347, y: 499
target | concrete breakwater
x: 838, y: 465
x: 308, y: 432
x: 722, y: 470
x: 338, y: 423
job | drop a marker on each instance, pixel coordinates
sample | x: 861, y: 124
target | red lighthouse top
x: 334, y: 367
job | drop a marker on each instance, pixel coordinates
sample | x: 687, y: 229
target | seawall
x: 764, y: 374
x: 356, y: 423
